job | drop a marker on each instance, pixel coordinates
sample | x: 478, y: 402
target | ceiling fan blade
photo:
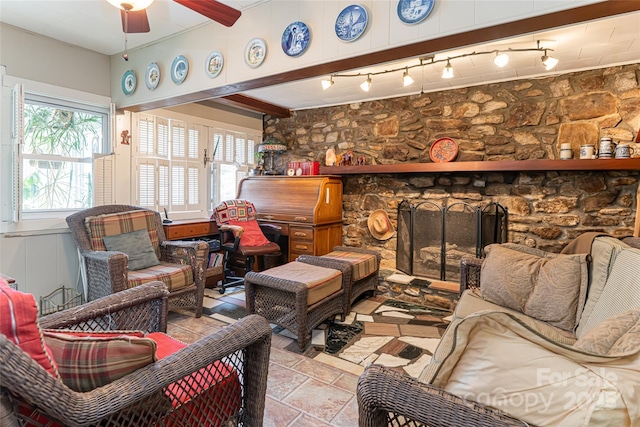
x: 138, y: 22
x: 212, y: 9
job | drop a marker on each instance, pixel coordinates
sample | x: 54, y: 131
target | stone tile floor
x: 317, y: 387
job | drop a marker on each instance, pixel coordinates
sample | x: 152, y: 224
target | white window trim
x: 9, y: 223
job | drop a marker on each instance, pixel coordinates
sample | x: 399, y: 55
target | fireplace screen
x: 432, y: 239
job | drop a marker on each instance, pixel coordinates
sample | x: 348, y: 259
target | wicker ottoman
x: 364, y: 265
x: 297, y: 296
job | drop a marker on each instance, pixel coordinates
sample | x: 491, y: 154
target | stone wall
x: 518, y: 120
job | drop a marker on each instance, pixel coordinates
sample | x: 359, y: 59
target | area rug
x: 394, y: 333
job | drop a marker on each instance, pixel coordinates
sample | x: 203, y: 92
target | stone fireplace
x: 431, y: 238
x: 512, y: 121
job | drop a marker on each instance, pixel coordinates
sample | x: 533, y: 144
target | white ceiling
x: 96, y: 25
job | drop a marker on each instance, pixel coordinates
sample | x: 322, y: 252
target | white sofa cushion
x: 620, y: 293
x: 500, y: 362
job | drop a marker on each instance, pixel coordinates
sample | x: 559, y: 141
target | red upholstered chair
x: 241, y: 236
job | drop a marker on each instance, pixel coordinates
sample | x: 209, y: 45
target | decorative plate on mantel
x: 443, y: 150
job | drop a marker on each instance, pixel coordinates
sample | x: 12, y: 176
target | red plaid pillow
x: 19, y: 323
x: 87, y: 362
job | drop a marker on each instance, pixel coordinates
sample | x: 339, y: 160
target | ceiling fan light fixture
x: 131, y: 5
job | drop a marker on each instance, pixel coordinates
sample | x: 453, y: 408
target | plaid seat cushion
x: 322, y: 282
x: 87, y: 361
x: 216, y: 387
x: 122, y: 222
x: 175, y: 276
x: 362, y: 265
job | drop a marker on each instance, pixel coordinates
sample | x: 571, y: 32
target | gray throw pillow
x: 546, y: 286
x: 136, y: 245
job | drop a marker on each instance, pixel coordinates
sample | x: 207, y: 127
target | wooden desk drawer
x: 183, y: 231
x: 300, y: 234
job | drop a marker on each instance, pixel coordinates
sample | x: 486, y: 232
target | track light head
x: 326, y: 84
x: 406, y: 78
x: 549, y: 62
x: 366, y: 85
x: 447, y: 72
x: 501, y: 59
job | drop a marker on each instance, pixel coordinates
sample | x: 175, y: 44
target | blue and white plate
x: 296, y: 38
x: 179, y: 69
x: 213, y: 64
x: 351, y: 22
x: 129, y: 82
x: 152, y: 78
x: 414, y: 11
x: 255, y: 52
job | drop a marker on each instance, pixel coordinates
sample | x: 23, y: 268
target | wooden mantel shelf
x: 490, y: 166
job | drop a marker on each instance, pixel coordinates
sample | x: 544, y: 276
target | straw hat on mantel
x: 379, y: 225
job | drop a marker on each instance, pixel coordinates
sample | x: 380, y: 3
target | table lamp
x: 269, y: 148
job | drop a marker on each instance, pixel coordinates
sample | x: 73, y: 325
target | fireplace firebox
x: 433, y: 238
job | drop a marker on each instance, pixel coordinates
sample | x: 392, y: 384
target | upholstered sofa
x: 546, y: 340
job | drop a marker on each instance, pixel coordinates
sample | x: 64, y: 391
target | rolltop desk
x: 307, y: 208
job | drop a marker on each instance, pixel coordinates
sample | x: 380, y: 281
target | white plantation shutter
x: 145, y: 136
x: 251, y: 150
x: 177, y: 186
x: 163, y: 184
x: 193, y: 176
x: 229, y: 148
x: 195, y: 134
x: 147, y: 183
x: 241, y: 151
x: 103, y: 180
x: 163, y: 137
x: 218, y: 146
x: 178, y: 140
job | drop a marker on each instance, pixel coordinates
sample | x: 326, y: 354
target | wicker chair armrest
x: 30, y: 382
x: 106, y: 271
x: 470, y: 268
x: 383, y: 392
x: 183, y: 251
x: 141, y: 308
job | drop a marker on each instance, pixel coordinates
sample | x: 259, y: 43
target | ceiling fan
x: 134, y: 14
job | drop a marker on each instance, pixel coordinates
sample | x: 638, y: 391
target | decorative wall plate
x: 179, y: 69
x: 152, y: 77
x: 414, y: 11
x: 443, y: 150
x: 296, y: 38
x: 213, y: 64
x: 351, y: 22
x: 255, y: 52
x: 129, y: 82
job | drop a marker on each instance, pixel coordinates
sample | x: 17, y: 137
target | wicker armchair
x: 140, y: 398
x: 107, y: 273
x: 387, y: 397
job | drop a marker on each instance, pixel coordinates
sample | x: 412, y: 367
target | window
x: 234, y: 155
x: 168, y: 170
x: 59, y: 159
